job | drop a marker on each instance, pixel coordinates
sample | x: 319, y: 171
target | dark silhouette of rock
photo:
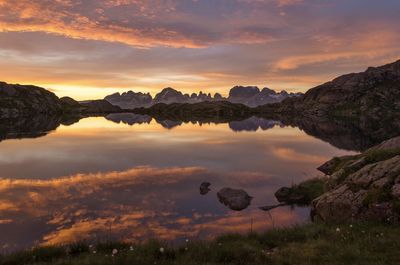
x: 235, y: 199
x: 374, y: 93
x: 204, y: 188
x: 23, y: 101
x: 99, y: 106
x: 27, y: 101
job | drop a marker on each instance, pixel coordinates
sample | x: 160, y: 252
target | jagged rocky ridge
x: 250, y: 96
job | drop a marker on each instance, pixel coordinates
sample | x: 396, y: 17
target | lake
x: 130, y: 177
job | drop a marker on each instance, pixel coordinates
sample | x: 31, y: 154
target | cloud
x: 207, y: 45
x: 133, y: 22
x: 68, y: 19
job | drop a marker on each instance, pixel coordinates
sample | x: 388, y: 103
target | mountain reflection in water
x: 132, y: 177
x: 340, y: 133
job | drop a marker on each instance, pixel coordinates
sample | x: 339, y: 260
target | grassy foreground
x: 309, y: 244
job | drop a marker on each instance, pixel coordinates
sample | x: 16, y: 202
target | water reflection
x: 348, y: 135
x: 253, y: 124
x: 135, y: 204
x: 126, y: 176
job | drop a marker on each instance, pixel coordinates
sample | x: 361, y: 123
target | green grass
x: 309, y: 189
x: 380, y: 155
x: 309, y: 244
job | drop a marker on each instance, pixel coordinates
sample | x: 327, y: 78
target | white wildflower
x: 162, y: 250
x: 115, y: 251
x: 337, y: 229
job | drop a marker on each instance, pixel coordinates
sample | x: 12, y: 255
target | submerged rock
x: 204, y: 188
x: 235, y: 199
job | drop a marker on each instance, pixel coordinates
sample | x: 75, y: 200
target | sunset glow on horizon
x: 90, y: 49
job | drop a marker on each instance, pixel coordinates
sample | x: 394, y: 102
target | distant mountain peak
x: 248, y: 95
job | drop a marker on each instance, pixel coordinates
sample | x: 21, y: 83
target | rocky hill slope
x: 374, y: 93
x: 27, y: 101
x: 18, y: 100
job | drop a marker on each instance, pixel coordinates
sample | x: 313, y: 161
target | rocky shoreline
x: 363, y: 187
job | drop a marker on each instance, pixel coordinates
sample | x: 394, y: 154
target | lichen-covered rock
x: 365, y: 186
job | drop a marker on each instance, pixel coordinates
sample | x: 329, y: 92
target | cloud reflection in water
x: 136, y: 204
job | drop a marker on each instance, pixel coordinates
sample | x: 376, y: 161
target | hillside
x: 27, y: 101
x: 374, y: 93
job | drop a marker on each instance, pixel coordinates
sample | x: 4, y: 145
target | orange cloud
x: 57, y: 18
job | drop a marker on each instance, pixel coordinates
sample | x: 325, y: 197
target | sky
x: 88, y: 49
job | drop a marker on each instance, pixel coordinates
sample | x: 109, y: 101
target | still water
x: 126, y: 177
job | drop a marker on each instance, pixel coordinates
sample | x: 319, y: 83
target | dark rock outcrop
x: 205, y: 188
x: 23, y: 101
x: 99, y: 106
x: 374, y: 93
x: 235, y: 199
x: 28, y: 101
